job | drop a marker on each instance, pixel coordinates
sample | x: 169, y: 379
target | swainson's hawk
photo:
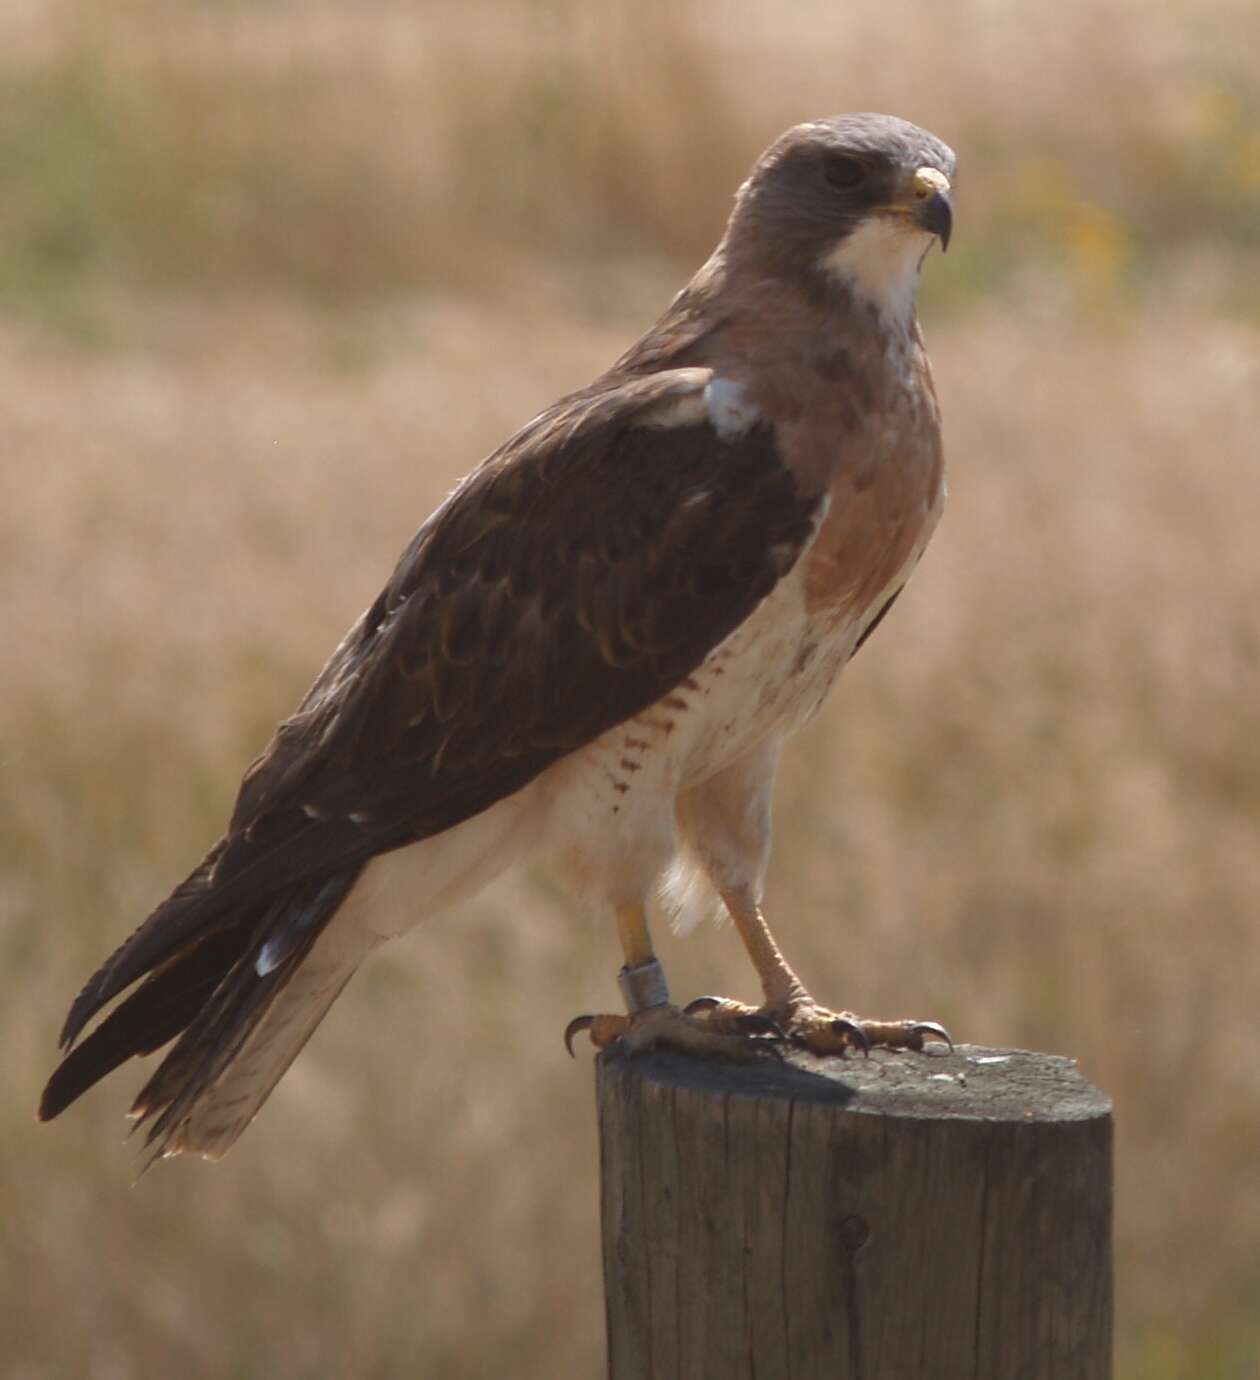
x: 593, y: 650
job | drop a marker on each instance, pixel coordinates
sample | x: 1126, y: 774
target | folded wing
x: 572, y: 580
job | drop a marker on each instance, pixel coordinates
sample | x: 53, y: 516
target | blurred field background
x: 272, y: 275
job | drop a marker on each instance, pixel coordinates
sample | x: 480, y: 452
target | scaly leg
x: 789, y: 1006
x: 653, y: 1021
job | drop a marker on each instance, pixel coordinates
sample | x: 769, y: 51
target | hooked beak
x: 932, y: 209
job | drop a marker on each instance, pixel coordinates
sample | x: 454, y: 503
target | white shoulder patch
x: 728, y: 410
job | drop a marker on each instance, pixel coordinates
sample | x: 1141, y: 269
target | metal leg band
x: 643, y: 986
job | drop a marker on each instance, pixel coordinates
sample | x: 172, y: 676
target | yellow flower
x: 1099, y: 242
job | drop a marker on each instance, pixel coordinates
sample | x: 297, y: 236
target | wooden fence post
x: 900, y: 1217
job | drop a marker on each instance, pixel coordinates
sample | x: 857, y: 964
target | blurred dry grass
x: 272, y: 276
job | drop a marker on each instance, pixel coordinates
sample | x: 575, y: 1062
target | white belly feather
x: 605, y: 814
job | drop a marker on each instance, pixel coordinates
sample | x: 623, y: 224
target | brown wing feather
x: 571, y: 581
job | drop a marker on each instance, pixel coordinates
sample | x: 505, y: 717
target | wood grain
x: 887, y: 1218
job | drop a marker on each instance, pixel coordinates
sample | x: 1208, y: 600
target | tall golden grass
x: 273, y: 276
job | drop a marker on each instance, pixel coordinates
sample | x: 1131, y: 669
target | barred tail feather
x: 213, y: 1083
x: 240, y: 1001
x: 163, y: 1006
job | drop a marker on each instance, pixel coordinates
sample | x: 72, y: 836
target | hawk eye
x: 844, y: 172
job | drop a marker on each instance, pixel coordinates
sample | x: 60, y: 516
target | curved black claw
x: 577, y: 1024
x: 754, y: 1023
x: 749, y: 1023
x: 842, y: 1025
x: 938, y: 1032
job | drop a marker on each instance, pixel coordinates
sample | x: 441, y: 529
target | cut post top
x: 972, y: 1083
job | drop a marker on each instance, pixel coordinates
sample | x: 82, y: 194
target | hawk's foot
x: 746, y: 1036
x: 817, y: 1029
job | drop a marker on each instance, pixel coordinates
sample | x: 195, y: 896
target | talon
x: 919, y: 1029
x: 756, y: 1024
x: 577, y: 1024
x: 701, y: 1004
x: 852, y: 1030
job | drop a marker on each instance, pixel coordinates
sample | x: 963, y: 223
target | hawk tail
x: 242, y: 1000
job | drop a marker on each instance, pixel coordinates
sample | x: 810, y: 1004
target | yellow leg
x: 779, y: 983
x: 632, y: 930
x: 652, y: 1021
x: 642, y: 980
x: 792, y: 1008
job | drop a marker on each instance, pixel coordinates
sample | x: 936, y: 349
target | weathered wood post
x: 900, y: 1217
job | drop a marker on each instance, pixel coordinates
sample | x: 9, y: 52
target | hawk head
x: 849, y: 204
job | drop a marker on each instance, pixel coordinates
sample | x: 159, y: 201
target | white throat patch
x: 880, y: 261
